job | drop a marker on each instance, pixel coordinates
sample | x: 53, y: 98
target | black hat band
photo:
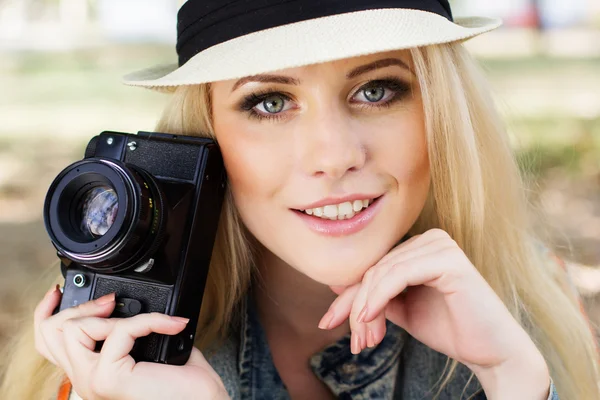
x: 204, y: 23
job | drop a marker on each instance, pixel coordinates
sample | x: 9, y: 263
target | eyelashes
x: 249, y: 102
x: 394, y: 90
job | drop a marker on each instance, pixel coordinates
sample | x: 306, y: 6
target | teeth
x: 330, y: 211
x: 345, y: 208
x: 340, y: 211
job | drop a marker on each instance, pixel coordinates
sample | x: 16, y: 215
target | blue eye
x: 373, y: 94
x: 382, y: 92
x: 272, y: 105
x: 267, y: 105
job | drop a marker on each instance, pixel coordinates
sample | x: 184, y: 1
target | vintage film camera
x: 138, y: 216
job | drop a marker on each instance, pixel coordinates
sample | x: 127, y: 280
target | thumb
x: 198, y: 360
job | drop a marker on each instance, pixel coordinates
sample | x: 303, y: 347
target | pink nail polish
x: 370, y: 339
x: 181, y: 319
x: 356, y: 343
x: 326, y: 320
x: 362, y: 315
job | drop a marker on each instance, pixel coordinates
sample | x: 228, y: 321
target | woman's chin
x: 338, y: 269
x: 337, y: 275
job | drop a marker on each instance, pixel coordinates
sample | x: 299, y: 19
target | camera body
x: 138, y: 217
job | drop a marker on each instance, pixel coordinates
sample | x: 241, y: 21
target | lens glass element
x: 99, y: 210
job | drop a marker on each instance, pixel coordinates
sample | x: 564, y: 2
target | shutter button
x: 127, y: 307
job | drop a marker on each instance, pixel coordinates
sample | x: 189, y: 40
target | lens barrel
x: 105, y: 215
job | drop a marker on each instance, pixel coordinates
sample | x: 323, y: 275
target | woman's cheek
x: 242, y: 155
x: 256, y: 174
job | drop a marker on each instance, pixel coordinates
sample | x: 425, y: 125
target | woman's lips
x: 345, y: 226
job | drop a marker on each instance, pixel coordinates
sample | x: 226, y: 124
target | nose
x: 331, y: 145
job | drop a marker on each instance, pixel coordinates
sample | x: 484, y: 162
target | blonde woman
x: 374, y: 242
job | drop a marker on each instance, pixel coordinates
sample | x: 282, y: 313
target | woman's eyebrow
x: 386, y: 62
x: 286, y: 80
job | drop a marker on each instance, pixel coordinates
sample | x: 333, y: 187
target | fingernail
x: 370, y: 339
x: 362, y: 315
x: 326, y: 320
x: 180, y: 319
x: 106, y: 299
x: 355, y: 346
x: 49, y: 292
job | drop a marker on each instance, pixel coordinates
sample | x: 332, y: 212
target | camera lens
x: 99, y: 210
x: 104, y: 214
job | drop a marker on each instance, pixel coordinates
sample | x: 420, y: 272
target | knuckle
x: 370, y: 274
x: 82, y: 308
x: 79, y: 308
x: 121, y: 324
x: 438, y: 233
x: 125, y: 324
x: 153, y: 317
x: 442, y: 239
x: 452, y: 251
x: 69, y: 326
x: 103, y: 322
x: 394, y: 266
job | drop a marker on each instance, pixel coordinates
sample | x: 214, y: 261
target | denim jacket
x: 400, y: 367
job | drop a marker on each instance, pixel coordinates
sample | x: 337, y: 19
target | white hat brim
x: 313, y: 41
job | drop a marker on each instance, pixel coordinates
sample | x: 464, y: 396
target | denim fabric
x: 399, y: 368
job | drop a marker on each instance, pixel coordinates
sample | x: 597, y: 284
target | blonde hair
x: 476, y: 195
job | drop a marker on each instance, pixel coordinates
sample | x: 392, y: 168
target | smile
x: 343, y: 218
x: 340, y: 211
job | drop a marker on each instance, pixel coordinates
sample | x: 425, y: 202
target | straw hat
x: 230, y: 39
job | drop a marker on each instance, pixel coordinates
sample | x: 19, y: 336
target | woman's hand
x: 428, y: 286
x: 68, y: 339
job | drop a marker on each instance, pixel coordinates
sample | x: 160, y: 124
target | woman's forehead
x: 347, y: 67
x: 348, y: 63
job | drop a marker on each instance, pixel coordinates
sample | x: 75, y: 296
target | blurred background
x: 60, y: 67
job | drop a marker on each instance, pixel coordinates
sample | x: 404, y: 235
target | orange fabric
x: 65, y: 390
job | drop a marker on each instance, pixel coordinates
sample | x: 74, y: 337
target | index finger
x: 43, y: 311
x: 46, y: 306
x: 122, y: 338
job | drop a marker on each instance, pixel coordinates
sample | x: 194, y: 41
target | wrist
x: 516, y: 379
